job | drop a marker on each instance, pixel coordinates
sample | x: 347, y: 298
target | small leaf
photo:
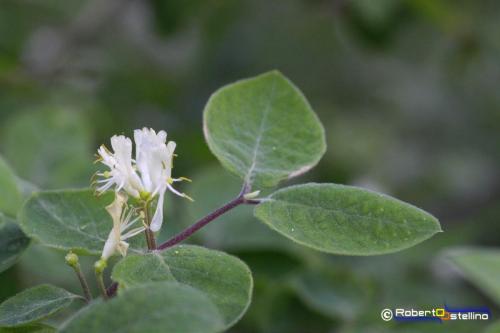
x: 481, y: 266
x: 263, y: 130
x: 68, y: 220
x: 152, y: 307
x: 226, y: 280
x: 34, y: 328
x: 10, y: 195
x: 13, y: 242
x: 345, y: 219
x: 34, y: 304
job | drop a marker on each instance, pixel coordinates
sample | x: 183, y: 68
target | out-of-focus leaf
x: 493, y: 328
x: 226, y: 280
x: 34, y: 304
x: 68, y: 220
x: 13, y: 242
x: 271, y: 265
x: 40, y: 264
x: 50, y: 147
x: 27, y: 188
x: 481, y: 266
x: 10, y: 193
x: 263, y: 130
x: 333, y: 294
x: 276, y: 309
x: 152, y: 307
x: 34, y: 328
x: 345, y: 220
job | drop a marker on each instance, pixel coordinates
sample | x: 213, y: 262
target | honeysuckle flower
x: 123, y: 219
x: 121, y: 172
x: 148, y: 176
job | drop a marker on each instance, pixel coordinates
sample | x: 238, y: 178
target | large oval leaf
x: 135, y: 270
x: 345, y: 219
x: 10, y: 193
x: 481, y: 266
x: 263, y: 129
x: 70, y: 220
x: 13, y: 242
x: 153, y: 307
x: 225, y: 279
x: 34, y: 304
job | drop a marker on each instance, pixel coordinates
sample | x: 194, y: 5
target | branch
x: 240, y: 199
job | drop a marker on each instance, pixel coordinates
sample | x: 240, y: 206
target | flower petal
x: 157, y: 220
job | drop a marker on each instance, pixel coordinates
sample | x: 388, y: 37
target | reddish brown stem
x: 240, y: 199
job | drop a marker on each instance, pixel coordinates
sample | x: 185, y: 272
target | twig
x: 99, y: 267
x: 240, y: 199
x: 72, y: 261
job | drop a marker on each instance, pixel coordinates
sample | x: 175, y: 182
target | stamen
x: 132, y: 233
x: 181, y: 179
x: 184, y: 195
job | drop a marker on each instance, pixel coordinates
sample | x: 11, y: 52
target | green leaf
x: 481, y: 266
x: 40, y: 264
x: 276, y: 309
x: 135, y: 270
x: 225, y: 279
x: 34, y: 328
x: 34, y: 304
x: 345, y: 219
x: 492, y: 328
x: 263, y: 129
x: 153, y: 307
x: 13, y: 242
x: 70, y: 220
x: 333, y: 293
x: 10, y: 195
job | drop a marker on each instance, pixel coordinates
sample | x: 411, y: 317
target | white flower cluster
x: 148, y: 176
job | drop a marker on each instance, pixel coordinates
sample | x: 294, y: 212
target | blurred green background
x: 407, y: 91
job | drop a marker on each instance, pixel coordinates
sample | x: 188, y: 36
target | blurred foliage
x: 408, y: 92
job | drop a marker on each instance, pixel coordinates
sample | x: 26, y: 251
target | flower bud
x: 100, y: 266
x: 71, y: 259
x: 251, y: 195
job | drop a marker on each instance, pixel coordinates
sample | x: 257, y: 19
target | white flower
x: 154, y: 162
x: 122, y: 221
x: 150, y: 173
x: 120, y: 163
